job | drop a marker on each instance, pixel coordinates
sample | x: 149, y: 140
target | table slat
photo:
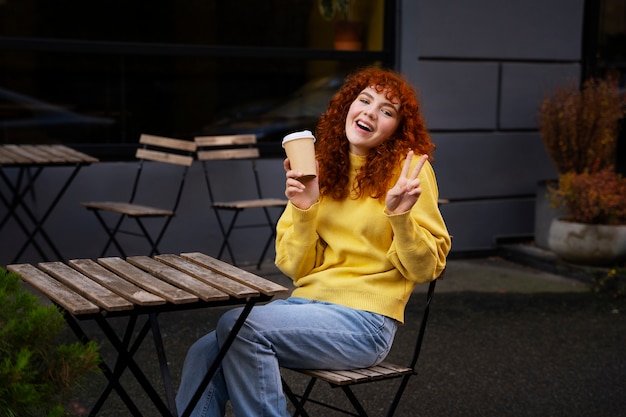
x: 211, y: 277
x: 149, y: 282
x: 6, y: 156
x: 40, y: 154
x: 18, y: 156
x: 178, y: 278
x: 70, y: 155
x: 53, y: 289
x: 263, y: 285
x: 86, y: 287
x: 116, y: 283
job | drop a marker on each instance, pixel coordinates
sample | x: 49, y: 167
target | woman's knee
x: 226, y: 323
x: 202, y: 348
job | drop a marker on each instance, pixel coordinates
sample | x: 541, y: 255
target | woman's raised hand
x: 301, y: 195
x: 403, y: 196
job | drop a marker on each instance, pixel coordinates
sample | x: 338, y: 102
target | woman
x: 356, y: 240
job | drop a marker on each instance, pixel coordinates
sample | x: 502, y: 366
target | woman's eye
x: 387, y: 113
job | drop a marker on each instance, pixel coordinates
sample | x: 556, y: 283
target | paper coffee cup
x: 300, y: 149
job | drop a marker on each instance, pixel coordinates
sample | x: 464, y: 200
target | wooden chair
x: 237, y: 147
x: 346, y: 379
x: 157, y: 149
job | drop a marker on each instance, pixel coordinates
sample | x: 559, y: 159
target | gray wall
x: 481, y: 68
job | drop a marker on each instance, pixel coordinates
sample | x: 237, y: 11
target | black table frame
x: 126, y: 347
x: 28, y: 174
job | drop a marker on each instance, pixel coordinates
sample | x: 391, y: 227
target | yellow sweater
x: 352, y: 253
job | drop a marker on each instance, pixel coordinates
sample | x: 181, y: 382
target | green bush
x: 37, y: 373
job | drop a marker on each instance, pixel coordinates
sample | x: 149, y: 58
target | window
x: 605, y: 52
x: 97, y: 75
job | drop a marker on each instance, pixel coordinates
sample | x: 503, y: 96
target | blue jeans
x: 294, y: 333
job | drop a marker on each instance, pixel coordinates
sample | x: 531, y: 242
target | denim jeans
x: 296, y: 333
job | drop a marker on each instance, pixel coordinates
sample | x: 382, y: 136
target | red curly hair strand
x: 383, y: 162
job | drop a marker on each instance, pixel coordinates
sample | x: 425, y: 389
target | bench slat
x: 209, y: 276
x: 179, y: 278
x: 243, y: 204
x: 164, y: 142
x: 159, y: 156
x: 265, y: 286
x: 356, y: 376
x: 86, y: 287
x: 68, y: 154
x: 149, y: 282
x: 127, y: 208
x: 53, y: 289
x: 116, y: 283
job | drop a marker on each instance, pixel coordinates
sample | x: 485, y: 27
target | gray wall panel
x: 490, y: 165
x: 524, y: 86
x: 458, y: 95
x: 530, y: 29
x: 472, y: 224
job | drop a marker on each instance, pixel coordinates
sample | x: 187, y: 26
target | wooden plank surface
x: 69, y: 155
x: 42, y: 155
x: 178, y: 278
x: 86, y: 287
x: 263, y: 285
x: 115, y: 283
x: 243, y: 204
x: 127, y: 208
x: 211, y: 277
x: 147, y: 281
x: 53, y: 289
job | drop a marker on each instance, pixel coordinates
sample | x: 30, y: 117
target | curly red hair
x: 381, y: 167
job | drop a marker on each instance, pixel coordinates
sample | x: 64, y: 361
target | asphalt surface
x: 502, y: 340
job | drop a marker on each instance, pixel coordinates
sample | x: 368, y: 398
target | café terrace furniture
x: 142, y: 287
x: 175, y: 153
x: 29, y: 162
x: 213, y: 152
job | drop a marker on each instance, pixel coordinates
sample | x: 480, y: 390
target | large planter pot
x: 587, y: 244
x: 544, y: 212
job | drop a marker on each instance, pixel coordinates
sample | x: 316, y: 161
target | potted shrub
x: 593, y: 230
x: 580, y: 128
x: 37, y: 373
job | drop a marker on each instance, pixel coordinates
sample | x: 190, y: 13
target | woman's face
x: 371, y: 119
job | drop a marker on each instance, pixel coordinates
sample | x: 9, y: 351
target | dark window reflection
x: 98, y: 74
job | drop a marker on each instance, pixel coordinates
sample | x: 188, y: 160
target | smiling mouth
x: 363, y: 126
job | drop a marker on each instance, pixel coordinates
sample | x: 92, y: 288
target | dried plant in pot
x: 593, y: 231
x: 579, y: 127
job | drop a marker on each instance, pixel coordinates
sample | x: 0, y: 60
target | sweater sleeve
x: 297, y: 241
x: 421, y: 241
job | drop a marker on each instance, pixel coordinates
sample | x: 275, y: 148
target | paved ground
x: 502, y: 340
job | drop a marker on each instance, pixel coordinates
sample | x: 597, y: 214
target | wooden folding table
x: 105, y: 288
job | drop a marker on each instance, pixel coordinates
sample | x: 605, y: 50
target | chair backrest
x: 165, y: 150
x: 229, y: 147
x: 168, y: 150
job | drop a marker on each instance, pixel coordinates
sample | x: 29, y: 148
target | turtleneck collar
x: 357, y: 161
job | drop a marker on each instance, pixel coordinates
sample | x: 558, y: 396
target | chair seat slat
x: 127, y: 208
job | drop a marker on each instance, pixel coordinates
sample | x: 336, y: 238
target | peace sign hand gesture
x: 403, y: 196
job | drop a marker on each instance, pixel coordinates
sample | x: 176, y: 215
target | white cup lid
x: 298, y: 135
